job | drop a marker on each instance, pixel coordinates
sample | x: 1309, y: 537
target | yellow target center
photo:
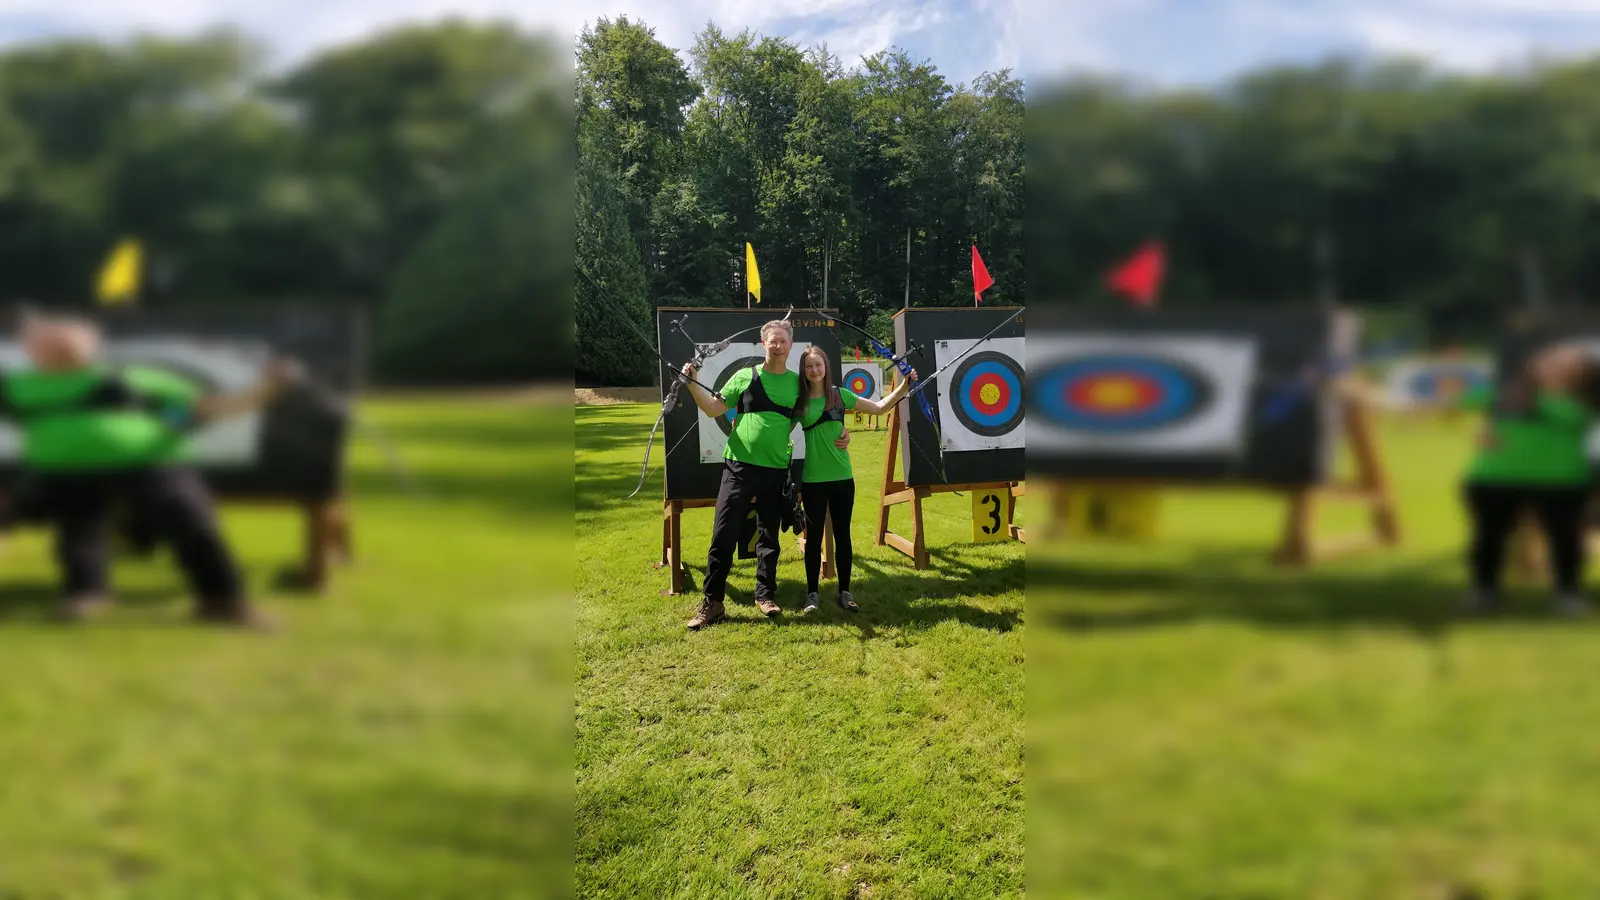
x: 989, y: 394
x: 1115, y: 393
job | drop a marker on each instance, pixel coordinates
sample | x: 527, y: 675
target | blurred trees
x: 1429, y: 193
x: 424, y: 174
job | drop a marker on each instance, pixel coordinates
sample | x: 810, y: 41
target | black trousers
x: 821, y: 498
x: 743, y: 484
x: 1495, y: 508
x: 173, y: 502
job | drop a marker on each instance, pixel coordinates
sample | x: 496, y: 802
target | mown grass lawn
x: 879, y: 755
x: 406, y: 737
x: 1203, y: 725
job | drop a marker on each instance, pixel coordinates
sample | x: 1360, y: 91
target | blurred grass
x: 878, y: 755
x: 1204, y: 725
x: 407, y: 736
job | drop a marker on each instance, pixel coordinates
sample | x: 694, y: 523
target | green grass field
x: 1203, y: 725
x: 873, y: 756
x: 406, y: 737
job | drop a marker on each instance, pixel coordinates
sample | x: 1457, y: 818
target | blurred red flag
x: 1139, y: 278
x: 980, y: 276
x: 858, y: 354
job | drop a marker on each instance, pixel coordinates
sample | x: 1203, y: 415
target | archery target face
x: 213, y: 367
x: 1424, y: 380
x: 715, y: 373
x: 862, y: 380
x: 981, y: 398
x: 1146, y: 395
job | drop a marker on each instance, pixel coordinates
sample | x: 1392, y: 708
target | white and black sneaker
x: 847, y: 602
x: 811, y: 603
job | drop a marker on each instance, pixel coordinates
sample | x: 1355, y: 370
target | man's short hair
x: 777, y: 323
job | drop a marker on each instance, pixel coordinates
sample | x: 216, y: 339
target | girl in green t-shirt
x: 1532, y: 452
x: 827, y: 485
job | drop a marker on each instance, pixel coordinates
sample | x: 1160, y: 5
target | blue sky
x: 1161, y: 42
x: 1203, y: 42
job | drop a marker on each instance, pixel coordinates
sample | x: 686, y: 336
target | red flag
x: 858, y: 354
x: 1139, y: 278
x: 980, y: 276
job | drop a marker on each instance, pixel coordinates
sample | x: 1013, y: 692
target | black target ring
x: 725, y: 421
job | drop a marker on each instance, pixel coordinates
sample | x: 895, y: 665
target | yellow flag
x: 119, y: 279
x: 752, y: 275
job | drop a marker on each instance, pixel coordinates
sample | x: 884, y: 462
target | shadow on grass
x: 890, y: 594
x: 1423, y: 596
x: 34, y: 601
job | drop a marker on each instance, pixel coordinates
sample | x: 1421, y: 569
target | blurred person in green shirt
x: 1532, y: 452
x: 94, y: 436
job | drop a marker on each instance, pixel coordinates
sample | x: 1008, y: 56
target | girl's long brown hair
x: 831, y: 397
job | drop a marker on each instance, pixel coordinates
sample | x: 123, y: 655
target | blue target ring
x: 1119, y: 394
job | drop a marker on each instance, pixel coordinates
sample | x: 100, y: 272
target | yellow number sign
x: 1125, y: 514
x: 991, y: 516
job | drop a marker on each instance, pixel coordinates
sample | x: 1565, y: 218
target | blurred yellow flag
x: 752, y: 275
x: 119, y: 279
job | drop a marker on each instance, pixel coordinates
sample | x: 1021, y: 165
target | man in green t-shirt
x: 756, y: 463
x: 93, y: 437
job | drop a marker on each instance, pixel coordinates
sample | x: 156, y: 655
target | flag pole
x: 908, y: 267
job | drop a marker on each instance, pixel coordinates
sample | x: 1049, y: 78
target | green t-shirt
x: 824, y: 461
x: 761, y: 438
x: 87, y: 438
x: 1549, y: 447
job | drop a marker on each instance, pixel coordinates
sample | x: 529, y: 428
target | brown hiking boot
x: 80, y: 607
x: 709, y: 612
x: 767, y: 606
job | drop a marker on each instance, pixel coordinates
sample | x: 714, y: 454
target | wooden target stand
x: 672, y: 541
x: 1528, y: 552
x: 895, y: 492
x: 1300, y: 545
x: 326, y: 535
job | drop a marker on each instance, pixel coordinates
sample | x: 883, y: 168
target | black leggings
x: 820, y: 499
x: 1494, y: 510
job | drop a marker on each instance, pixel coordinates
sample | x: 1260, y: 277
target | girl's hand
x: 688, y: 369
x: 843, y: 443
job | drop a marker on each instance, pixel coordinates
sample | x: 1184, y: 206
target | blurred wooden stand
x: 1528, y: 553
x: 326, y: 535
x: 1299, y: 545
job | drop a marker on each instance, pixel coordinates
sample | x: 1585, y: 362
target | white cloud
x: 298, y: 28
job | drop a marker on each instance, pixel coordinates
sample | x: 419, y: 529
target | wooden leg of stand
x: 918, y: 538
x: 1296, y: 547
x: 319, y: 543
x: 341, y: 533
x: 675, y: 552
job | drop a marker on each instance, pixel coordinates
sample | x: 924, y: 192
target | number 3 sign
x: 991, y: 516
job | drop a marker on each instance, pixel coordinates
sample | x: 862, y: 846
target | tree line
x: 424, y: 174
x: 822, y: 167
x: 1387, y: 184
